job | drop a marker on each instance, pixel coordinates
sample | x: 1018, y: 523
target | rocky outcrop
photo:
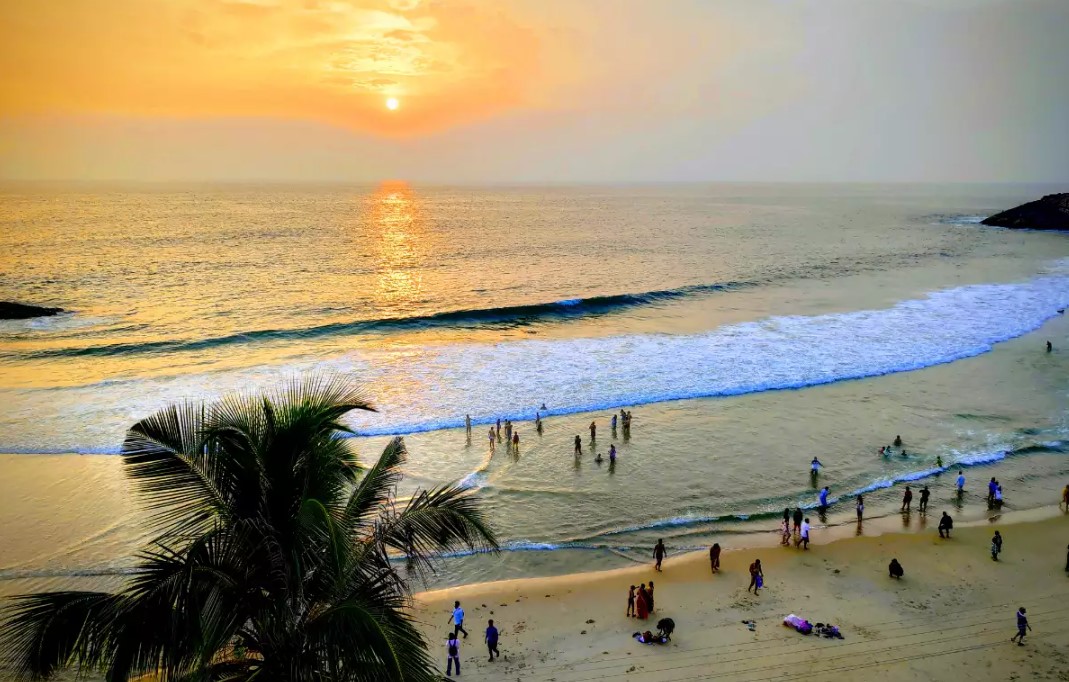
x: 18, y: 311
x: 1049, y: 213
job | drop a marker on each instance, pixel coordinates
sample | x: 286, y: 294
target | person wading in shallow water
x: 578, y: 445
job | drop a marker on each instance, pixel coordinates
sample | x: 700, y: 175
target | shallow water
x: 748, y: 328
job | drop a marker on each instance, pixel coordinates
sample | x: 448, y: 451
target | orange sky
x: 534, y: 90
x: 329, y: 60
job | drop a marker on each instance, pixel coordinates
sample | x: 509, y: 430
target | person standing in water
x: 593, y: 431
x: 898, y: 441
x: 491, y: 437
x: 925, y: 494
x: 1049, y: 347
x: 824, y: 499
x: 578, y: 445
x: 613, y: 422
x: 516, y: 442
x: 467, y: 425
x: 859, y: 506
x: 961, y: 482
x: 815, y: 466
x: 659, y: 553
x: 612, y: 453
x: 498, y: 430
x: 907, y: 500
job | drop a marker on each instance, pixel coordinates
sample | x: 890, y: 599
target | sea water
x: 748, y: 328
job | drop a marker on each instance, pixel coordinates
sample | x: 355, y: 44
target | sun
x: 392, y: 104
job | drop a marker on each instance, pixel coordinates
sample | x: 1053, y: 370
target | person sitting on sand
x: 945, y: 524
x: 898, y: 441
x: 895, y: 569
x: 631, y: 602
x: 714, y: 557
x: 648, y: 637
x: 757, y: 577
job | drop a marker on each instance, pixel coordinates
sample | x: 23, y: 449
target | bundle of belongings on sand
x: 665, y: 628
x: 806, y: 628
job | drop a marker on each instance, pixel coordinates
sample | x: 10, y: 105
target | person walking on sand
x: 578, y: 445
x: 1022, y: 626
x: 491, y: 437
x: 859, y: 507
x: 907, y: 500
x: 458, y: 620
x: 797, y: 519
x: 805, y: 533
x: 925, y: 494
x: 787, y: 514
x: 659, y: 553
x: 642, y: 603
x: 631, y: 602
x: 491, y: 642
x: 945, y: 524
x: 714, y: 557
x: 452, y: 652
x: 785, y: 531
x: 757, y: 577
x: 996, y: 546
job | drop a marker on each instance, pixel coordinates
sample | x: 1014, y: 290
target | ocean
x: 748, y: 328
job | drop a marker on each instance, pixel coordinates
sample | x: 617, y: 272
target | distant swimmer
x: 883, y: 450
x: 939, y: 461
x: 898, y: 441
x: 1050, y: 347
x: 544, y: 408
x: 578, y: 445
x: 815, y: 464
x: 598, y: 458
x: 612, y: 453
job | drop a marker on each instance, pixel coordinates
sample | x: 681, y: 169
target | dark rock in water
x: 18, y: 311
x: 1049, y: 213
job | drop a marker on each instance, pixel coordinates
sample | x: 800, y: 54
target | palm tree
x: 277, y: 556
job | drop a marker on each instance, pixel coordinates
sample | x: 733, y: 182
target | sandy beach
x: 951, y: 616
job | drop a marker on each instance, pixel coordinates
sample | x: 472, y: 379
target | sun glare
x: 392, y: 104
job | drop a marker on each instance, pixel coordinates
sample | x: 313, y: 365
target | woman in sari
x: 642, y: 602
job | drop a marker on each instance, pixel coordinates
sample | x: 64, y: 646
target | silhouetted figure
x: 578, y: 445
x: 895, y: 569
x: 1049, y: 347
x: 945, y: 524
x: 898, y: 441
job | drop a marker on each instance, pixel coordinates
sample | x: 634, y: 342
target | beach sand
x: 952, y: 615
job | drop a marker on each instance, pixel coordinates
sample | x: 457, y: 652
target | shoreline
x: 954, y: 603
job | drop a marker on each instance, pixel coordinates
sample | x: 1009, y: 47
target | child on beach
x: 1022, y: 625
x: 452, y: 652
x: 996, y: 546
x: 757, y: 577
x: 631, y: 602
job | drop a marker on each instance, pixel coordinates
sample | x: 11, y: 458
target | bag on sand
x: 760, y: 582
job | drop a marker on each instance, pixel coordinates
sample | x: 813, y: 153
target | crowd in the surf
x: 504, y: 431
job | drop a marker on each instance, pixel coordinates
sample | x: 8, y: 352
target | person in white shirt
x: 458, y: 620
x: 805, y: 534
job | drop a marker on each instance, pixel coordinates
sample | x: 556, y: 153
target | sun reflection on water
x: 398, y: 229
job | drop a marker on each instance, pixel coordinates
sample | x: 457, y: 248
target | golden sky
x: 329, y: 60
x: 534, y: 90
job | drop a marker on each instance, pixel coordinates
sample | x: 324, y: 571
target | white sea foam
x: 426, y: 388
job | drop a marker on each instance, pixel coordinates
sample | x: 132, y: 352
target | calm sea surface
x: 747, y: 328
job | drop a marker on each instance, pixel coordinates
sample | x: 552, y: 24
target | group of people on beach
x: 640, y: 601
x: 801, y: 527
x: 452, y: 646
x: 512, y: 437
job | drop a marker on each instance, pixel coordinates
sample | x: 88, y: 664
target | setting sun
x: 392, y: 104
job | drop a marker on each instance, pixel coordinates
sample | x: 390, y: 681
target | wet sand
x: 952, y: 615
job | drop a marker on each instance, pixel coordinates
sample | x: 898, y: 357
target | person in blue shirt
x: 824, y: 498
x: 961, y: 482
x: 1022, y: 626
x: 491, y: 641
